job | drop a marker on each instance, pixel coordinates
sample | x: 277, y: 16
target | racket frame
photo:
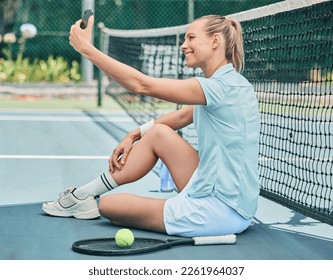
x: 82, y: 246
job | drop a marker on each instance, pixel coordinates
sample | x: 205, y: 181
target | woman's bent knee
x: 159, y: 130
x: 102, y: 205
x: 106, y: 205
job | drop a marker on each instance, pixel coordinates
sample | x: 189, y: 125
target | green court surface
x: 42, y: 152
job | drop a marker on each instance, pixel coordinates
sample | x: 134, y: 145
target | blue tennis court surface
x: 44, y: 152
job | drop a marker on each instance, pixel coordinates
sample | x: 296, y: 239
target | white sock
x: 100, y: 185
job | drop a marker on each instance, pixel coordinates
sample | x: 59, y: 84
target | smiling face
x: 203, y: 50
x: 197, y: 45
x: 213, y: 41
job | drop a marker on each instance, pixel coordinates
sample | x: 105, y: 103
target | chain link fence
x: 53, y: 19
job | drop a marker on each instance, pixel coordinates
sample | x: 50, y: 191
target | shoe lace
x: 66, y: 192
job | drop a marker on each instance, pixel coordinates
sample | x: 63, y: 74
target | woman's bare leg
x: 147, y: 213
x: 130, y: 210
x: 164, y: 143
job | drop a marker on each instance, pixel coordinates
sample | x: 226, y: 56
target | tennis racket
x: 108, y: 246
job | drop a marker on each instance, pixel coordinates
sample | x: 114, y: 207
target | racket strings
x: 109, y: 244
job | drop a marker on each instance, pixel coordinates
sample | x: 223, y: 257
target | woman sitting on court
x: 218, y: 184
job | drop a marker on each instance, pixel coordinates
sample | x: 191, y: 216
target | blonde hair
x: 231, y: 31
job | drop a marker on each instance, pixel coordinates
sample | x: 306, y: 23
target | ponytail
x: 231, y: 31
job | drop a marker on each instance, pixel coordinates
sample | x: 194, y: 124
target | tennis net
x: 289, y: 61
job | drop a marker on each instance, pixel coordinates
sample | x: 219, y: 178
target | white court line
x: 65, y: 119
x: 52, y: 157
x: 62, y: 111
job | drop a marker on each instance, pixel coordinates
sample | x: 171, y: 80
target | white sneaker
x: 68, y: 205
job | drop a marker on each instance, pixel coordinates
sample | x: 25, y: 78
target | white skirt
x: 204, y: 216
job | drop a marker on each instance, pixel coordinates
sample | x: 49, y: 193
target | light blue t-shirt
x: 228, y: 141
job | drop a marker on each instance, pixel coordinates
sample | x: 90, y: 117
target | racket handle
x: 211, y: 240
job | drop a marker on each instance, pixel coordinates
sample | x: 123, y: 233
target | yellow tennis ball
x: 124, y: 238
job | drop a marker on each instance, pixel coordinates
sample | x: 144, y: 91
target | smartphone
x: 85, y: 17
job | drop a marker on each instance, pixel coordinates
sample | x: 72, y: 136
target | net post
x: 190, y: 7
x: 99, y: 90
x: 178, y: 106
x: 177, y: 48
x: 100, y: 72
x: 87, y: 66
